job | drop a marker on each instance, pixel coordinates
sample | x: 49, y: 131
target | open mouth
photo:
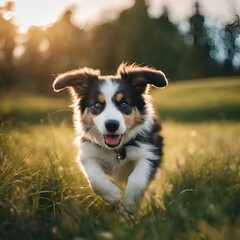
x: 112, y: 140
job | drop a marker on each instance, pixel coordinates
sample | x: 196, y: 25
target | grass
x: 33, y: 108
x: 200, y: 100
x: 43, y: 194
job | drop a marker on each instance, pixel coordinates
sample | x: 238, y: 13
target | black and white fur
x: 118, y: 134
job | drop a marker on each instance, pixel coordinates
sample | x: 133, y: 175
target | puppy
x: 118, y: 134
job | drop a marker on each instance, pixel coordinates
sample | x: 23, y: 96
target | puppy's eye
x: 98, y: 105
x: 124, y: 104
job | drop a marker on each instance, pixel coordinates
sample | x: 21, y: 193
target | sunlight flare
x: 27, y: 13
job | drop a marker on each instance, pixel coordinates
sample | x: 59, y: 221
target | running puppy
x: 118, y: 134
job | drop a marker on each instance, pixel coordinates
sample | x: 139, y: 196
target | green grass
x: 33, y: 108
x: 43, y: 194
x: 200, y: 100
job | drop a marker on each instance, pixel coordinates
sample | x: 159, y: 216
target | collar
x: 121, y: 153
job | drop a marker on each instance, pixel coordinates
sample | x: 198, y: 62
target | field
x: 43, y: 194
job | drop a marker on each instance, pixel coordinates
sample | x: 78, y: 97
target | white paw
x: 128, y: 209
x: 113, y: 196
x: 131, y: 201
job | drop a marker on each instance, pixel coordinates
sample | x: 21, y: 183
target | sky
x: 88, y: 12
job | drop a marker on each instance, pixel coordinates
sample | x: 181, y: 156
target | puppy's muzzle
x: 112, y: 139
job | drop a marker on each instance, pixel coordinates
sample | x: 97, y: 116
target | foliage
x: 29, y: 61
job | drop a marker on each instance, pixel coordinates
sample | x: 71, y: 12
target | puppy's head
x: 110, y: 107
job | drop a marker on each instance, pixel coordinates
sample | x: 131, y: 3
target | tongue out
x: 112, y: 140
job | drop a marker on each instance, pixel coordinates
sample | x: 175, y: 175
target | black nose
x: 112, y: 125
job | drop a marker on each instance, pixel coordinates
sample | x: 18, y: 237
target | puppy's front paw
x: 113, y: 196
x: 128, y: 210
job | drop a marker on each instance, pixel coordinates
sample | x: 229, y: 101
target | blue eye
x: 98, y: 105
x: 124, y: 104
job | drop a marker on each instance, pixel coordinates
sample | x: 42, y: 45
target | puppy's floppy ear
x: 140, y: 77
x: 78, y: 80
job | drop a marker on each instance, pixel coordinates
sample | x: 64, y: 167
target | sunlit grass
x: 203, y: 179
x: 199, y: 191
x: 219, y: 140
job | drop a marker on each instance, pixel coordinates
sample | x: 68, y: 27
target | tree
x: 199, y: 62
x: 67, y: 47
x: 135, y: 37
x: 49, y: 51
x: 167, y: 49
x: 232, y: 33
x: 8, y: 33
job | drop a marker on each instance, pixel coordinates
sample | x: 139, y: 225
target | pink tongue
x: 112, y: 140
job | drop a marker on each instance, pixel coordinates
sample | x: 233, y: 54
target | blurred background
x: 186, y: 39
x: 43, y: 194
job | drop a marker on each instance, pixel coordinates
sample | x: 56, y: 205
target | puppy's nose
x: 112, y: 125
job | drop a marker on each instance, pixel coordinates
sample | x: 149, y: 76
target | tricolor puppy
x: 118, y: 134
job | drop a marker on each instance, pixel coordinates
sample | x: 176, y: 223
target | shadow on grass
x: 227, y: 112
x: 37, y: 116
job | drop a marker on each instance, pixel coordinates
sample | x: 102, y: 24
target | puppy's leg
x: 136, y: 184
x: 100, y: 182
